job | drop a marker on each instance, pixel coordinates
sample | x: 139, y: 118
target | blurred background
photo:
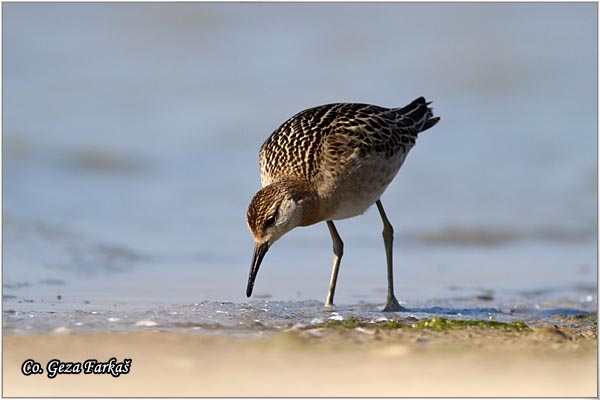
x: 131, y: 136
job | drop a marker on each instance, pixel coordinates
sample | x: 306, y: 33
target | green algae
x: 353, y: 323
x: 443, y: 324
x: 436, y: 323
x: 349, y: 323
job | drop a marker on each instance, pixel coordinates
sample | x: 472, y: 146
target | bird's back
x: 340, y: 135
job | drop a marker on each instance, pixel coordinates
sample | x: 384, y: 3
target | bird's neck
x: 307, y: 199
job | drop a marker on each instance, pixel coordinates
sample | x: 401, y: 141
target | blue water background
x: 131, y: 136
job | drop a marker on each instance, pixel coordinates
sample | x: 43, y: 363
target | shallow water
x: 130, y: 144
x: 260, y: 317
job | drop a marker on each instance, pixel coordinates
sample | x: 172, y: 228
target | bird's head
x: 275, y: 210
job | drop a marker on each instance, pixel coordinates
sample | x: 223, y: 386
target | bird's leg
x: 338, y: 251
x: 388, y: 239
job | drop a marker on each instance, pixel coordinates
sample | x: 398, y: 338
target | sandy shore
x: 319, y: 362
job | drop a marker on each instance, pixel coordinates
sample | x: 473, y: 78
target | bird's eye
x: 270, y: 221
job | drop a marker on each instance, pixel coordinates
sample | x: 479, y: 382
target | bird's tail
x: 420, y: 112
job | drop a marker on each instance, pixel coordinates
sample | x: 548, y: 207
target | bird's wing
x: 361, y: 130
x: 293, y: 149
x: 340, y: 133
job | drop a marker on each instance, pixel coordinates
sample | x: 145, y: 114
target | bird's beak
x: 259, y: 252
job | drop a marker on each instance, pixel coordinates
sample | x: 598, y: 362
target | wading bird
x: 329, y: 163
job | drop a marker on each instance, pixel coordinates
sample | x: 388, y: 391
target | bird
x: 329, y: 163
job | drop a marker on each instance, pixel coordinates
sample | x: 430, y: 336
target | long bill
x: 259, y: 252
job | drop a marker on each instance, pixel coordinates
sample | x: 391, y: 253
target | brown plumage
x: 331, y: 162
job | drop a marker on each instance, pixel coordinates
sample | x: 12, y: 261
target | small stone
x: 296, y: 327
x: 315, y: 333
x: 336, y: 317
x: 145, y: 322
x: 62, y: 330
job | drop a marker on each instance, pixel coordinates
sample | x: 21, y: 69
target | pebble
x: 145, y: 322
x: 336, y: 317
x: 62, y: 330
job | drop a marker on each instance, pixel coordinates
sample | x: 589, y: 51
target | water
x: 131, y: 134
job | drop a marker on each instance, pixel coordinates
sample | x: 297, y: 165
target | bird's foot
x: 392, y: 305
x: 329, y: 301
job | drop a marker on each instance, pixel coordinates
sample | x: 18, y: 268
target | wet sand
x: 323, y: 361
